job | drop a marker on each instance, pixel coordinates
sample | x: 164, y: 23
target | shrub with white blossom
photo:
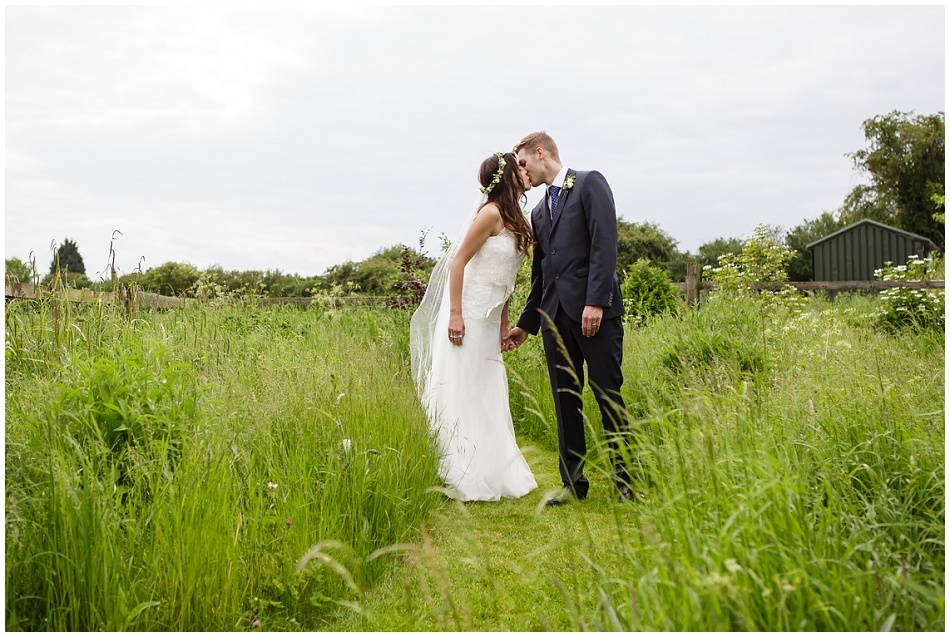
x: 762, y: 260
x: 911, y: 307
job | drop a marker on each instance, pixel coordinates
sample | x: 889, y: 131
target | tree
x: 67, y: 258
x: 905, y: 163
x: 798, y: 238
x: 378, y: 274
x: 171, y: 279
x: 18, y: 271
x: 643, y: 240
x: 710, y: 252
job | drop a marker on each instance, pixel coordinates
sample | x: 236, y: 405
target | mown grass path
x: 494, y: 566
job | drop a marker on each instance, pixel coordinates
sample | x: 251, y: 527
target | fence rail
x: 690, y: 288
x: 151, y: 300
x: 15, y: 290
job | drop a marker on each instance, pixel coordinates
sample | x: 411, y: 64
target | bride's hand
x: 517, y: 336
x: 456, y: 329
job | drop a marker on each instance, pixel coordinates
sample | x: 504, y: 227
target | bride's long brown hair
x: 509, y: 195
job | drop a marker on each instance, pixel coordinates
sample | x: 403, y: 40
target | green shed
x: 855, y: 252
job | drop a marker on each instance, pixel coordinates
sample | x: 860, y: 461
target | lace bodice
x: 490, y: 277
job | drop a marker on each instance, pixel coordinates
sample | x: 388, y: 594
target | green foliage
x: 913, y: 308
x: 377, y: 275
x: 67, y: 279
x: 169, y: 473
x: 813, y: 441
x: 644, y: 240
x: 940, y: 203
x: 647, y: 292
x: 170, y: 279
x: 712, y: 345
x: 184, y: 279
x: 798, y: 238
x: 794, y: 471
x: 18, y: 271
x: 125, y: 405
x: 67, y: 258
x: 762, y: 259
x: 905, y: 162
x: 710, y: 252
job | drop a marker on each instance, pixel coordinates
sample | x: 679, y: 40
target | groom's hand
x: 590, y: 319
x: 517, y: 336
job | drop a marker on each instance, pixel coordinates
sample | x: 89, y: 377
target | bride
x: 457, y: 336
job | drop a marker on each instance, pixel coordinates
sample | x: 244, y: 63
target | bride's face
x: 525, y: 180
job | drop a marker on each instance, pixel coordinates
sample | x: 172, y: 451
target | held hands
x: 514, y: 338
x: 505, y: 340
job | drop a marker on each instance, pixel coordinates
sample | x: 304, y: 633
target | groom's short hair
x: 541, y: 139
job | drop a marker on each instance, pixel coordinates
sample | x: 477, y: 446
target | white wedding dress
x: 465, y: 390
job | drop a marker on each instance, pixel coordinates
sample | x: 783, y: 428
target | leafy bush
x: 134, y: 401
x: 762, y: 259
x: 911, y: 307
x: 170, y: 279
x: 647, y: 291
x: 18, y: 271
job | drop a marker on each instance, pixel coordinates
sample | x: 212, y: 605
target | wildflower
x: 288, y: 522
x: 256, y: 624
x: 272, y: 485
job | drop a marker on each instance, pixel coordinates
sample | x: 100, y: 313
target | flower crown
x: 498, y: 173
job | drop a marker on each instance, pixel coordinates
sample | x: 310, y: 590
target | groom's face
x: 532, y: 164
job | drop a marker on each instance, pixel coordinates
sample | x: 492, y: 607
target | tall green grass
x: 167, y: 473
x: 204, y: 468
x: 793, y: 462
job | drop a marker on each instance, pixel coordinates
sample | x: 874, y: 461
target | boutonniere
x: 568, y: 183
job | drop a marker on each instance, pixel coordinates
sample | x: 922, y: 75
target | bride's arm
x: 486, y: 222
x: 505, y: 341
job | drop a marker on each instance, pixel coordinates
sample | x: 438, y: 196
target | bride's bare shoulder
x: 490, y: 214
x: 491, y: 209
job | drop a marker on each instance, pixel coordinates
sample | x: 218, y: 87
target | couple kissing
x: 461, y: 328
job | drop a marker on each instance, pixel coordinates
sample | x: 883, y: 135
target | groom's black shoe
x: 564, y: 496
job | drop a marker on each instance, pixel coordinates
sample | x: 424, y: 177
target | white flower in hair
x: 498, y: 173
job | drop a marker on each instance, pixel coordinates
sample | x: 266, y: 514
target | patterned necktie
x: 555, y: 192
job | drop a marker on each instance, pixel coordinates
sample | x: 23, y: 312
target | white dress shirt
x: 559, y: 180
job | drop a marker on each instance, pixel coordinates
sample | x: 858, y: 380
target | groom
x: 575, y: 302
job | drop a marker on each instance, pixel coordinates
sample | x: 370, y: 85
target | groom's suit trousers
x: 567, y: 350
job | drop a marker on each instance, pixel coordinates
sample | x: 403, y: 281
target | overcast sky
x: 296, y: 139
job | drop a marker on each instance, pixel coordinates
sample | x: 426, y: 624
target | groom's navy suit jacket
x: 575, y: 258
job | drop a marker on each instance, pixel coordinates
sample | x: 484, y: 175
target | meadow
x: 225, y: 466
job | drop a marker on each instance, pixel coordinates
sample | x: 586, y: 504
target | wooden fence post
x: 693, y: 273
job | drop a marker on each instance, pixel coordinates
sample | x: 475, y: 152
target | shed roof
x: 909, y: 235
